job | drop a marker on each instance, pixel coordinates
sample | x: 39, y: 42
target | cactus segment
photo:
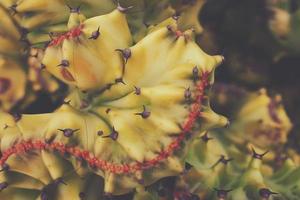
x: 121, y: 100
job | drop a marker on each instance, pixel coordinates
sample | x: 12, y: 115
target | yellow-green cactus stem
x: 12, y: 83
x: 189, y: 11
x: 40, y: 80
x: 262, y: 120
x: 133, y: 120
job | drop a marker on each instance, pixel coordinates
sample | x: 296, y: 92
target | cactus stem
x: 126, y: 53
x: 95, y: 34
x: 23, y: 147
x: 5, y: 84
x: 145, y: 114
x: 257, y: 155
x: 137, y: 90
x: 68, y: 132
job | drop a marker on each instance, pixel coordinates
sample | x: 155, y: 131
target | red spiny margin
x: 73, y: 33
x: 25, y: 146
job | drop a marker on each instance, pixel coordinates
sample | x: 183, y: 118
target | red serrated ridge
x: 25, y: 146
x: 73, y: 33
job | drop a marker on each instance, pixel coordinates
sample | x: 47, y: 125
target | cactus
x: 136, y: 120
x: 117, y: 101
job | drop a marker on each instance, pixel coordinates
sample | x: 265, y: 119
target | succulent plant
x: 136, y: 121
x: 115, y: 120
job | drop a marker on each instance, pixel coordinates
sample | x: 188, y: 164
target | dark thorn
x: 126, y: 53
x: 5, y: 84
x: 64, y: 63
x: 95, y: 34
x: 59, y: 181
x: 266, y: 193
x: 74, y: 10
x: 141, y: 181
x: 170, y: 28
x: 205, y: 137
x: 222, y: 194
x: 108, y: 86
x: 145, y: 114
x: 3, y: 185
x: 5, y: 127
x: 123, y: 9
x: 51, y: 35
x: 82, y: 195
x: 120, y: 80
x: 188, y: 166
x: 67, y: 102
x: 187, y: 94
x: 13, y: 8
x: 84, y: 104
x: 195, y: 73
x: 176, y: 17
x: 108, y: 110
x: 113, y: 135
x: 17, y: 116
x: 44, y: 196
x: 223, y: 160
x: 100, y: 133
x: 68, y: 132
x: 137, y: 90
x: 42, y: 66
x: 5, y: 168
x: 227, y: 124
x: 23, y: 31
x: 256, y: 155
